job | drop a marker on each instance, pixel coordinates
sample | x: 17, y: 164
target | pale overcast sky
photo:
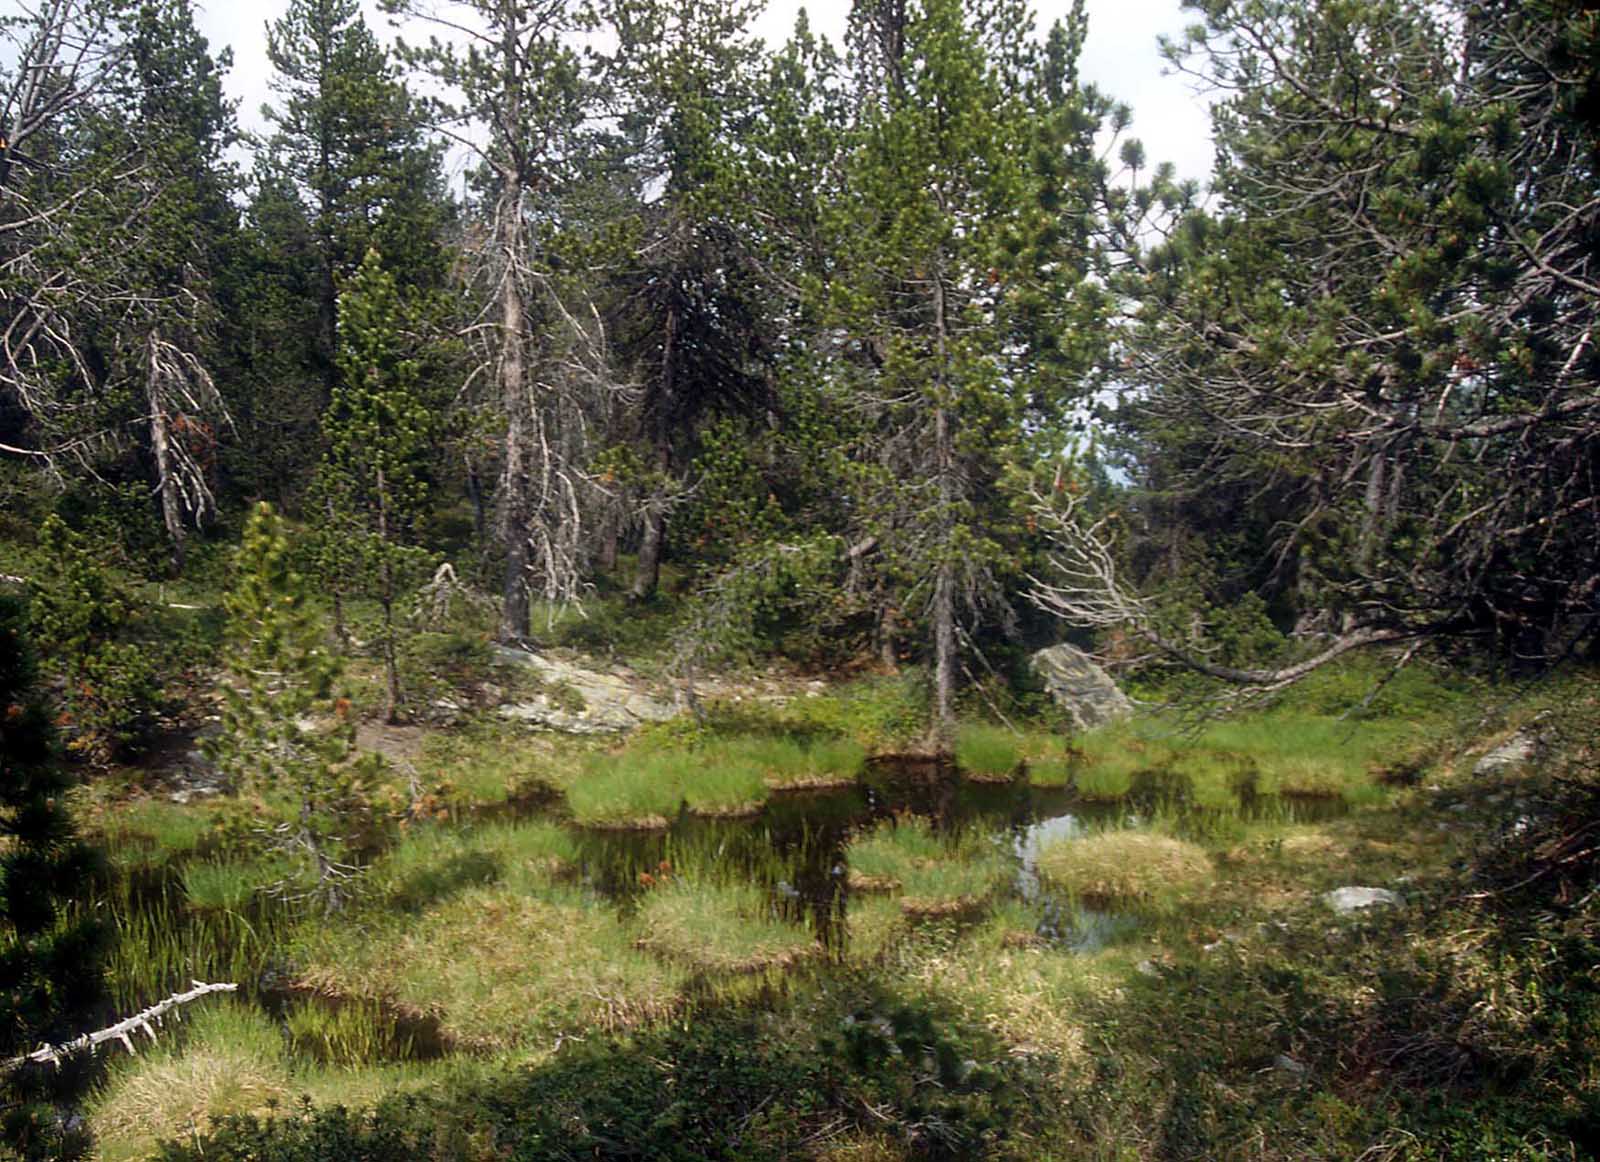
x: 1121, y: 57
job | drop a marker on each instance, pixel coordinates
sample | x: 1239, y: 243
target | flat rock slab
x: 1513, y: 754
x: 1083, y: 690
x: 1356, y: 899
x: 581, y: 701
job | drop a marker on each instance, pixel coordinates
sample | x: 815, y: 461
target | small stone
x: 1147, y: 968
x: 1283, y: 1063
x: 1509, y: 756
x: 1355, y: 899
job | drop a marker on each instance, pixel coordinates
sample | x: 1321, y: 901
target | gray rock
x: 1285, y: 1064
x: 1354, y: 899
x: 1080, y: 687
x: 1511, y: 755
x: 580, y: 701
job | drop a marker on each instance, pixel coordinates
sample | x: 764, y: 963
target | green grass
x: 721, y: 778
x: 151, y: 832
x: 719, y: 927
x: 1125, y: 868
x: 984, y: 749
x: 229, y: 885
x: 931, y: 873
x: 491, y: 762
x: 883, y: 715
x: 500, y: 967
x: 627, y: 790
x: 231, y: 1062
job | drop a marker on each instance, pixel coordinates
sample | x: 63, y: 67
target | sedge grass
x: 719, y: 928
x: 933, y: 874
x: 228, y: 885
x: 498, y: 967
x: 627, y: 791
x: 152, y: 832
x: 231, y: 1062
x: 1125, y: 868
x: 987, y: 751
x: 722, y: 779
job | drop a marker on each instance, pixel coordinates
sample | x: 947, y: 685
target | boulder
x: 1509, y: 757
x: 1080, y: 687
x: 579, y: 701
x: 1356, y: 899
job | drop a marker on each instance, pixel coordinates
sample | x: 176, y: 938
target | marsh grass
x: 153, y: 832
x: 229, y: 885
x: 489, y: 761
x: 719, y: 928
x: 360, y: 1032
x: 873, y: 925
x: 988, y: 751
x: 499, y: 967
x: 790, y: 763
x: 230, y: 1061
x: 883, y: 715
x: 629, y: 791
x: 723, y: 779
x: 1049, y: 759
x: 160, y: 942
x: 1126, y: 868
x: 934, y: 874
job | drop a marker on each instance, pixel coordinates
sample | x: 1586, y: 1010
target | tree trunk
x: 944, y: 585
x: 648, y: 573
x: 513, y: 488
x: 386, y: 594
x: 161, y: 445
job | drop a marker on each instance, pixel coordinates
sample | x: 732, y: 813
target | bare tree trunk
x: 161, y: 445
x: 391, y: 666
x: 944, y: 585
x: 648, y: 573
x: 944, y: 652
x: 513, y: 489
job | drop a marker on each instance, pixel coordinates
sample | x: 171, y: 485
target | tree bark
x: 161, y: 445
x: 647, y: 574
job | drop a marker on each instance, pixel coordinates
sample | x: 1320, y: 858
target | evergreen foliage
x: 109, y: 688
x: 372, y: 486
x: 50, y: 958
x: 285, y: 737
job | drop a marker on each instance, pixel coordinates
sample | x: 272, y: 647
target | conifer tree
x: 80, y: 617
x: 50, y: 960
x: 371, y: 484
x: 957, y: 236
x: 285, y: 737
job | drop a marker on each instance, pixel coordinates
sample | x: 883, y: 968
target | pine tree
x: 285, y: 737
x: 957, y: 236
x: 81, y: 620
x: 349, y: 140
x: 50, y: 959
x: 522, y: 99
x: 371, y: 484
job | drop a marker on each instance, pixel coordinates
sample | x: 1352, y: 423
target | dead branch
x: 143, y: 1021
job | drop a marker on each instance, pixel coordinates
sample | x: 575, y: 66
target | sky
x: 1121, y: 57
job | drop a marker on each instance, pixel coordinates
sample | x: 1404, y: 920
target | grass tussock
x: 499, y: 967
x: 719, y: 928
x: 231, y: 1062
x: 935, y: 875
x: 1125, y: 868
x: 988, y: 752
x: 635, y: 792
